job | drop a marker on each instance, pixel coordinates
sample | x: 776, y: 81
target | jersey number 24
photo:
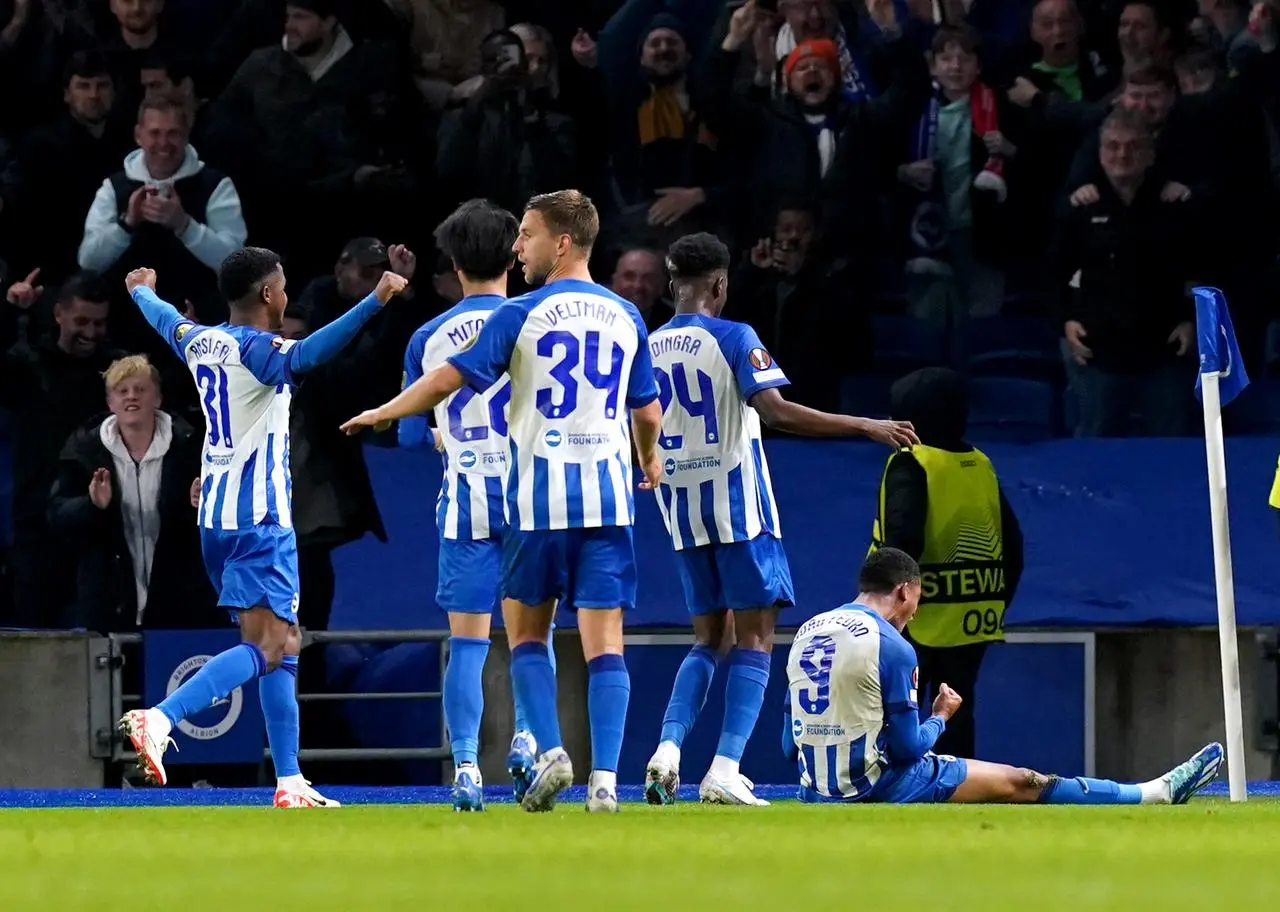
x: 676, y: 386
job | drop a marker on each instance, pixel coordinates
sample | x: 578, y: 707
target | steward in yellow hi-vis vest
x: 941, y: 503
x: 1274, y: 499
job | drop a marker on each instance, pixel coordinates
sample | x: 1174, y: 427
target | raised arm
x: 324, y: 344
x: 164, y: 318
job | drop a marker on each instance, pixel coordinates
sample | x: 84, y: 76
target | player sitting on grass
x: 853, y: 724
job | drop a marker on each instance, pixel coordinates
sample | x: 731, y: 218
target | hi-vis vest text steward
x: 962, y: 567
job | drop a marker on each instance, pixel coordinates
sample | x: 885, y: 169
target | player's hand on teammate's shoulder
x: 946, y: 702
x: 100, y: 489
x: 891, y: 433
x: 390, y: 285
x: 139, y: 277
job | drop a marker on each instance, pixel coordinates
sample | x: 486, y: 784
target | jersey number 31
x: 217, y: 404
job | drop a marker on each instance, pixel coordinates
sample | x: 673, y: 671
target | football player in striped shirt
x: 852, y: 724
x: 716, y: 382
x: 245, y: 373
x: 471, y: 433
x: 579, y: 366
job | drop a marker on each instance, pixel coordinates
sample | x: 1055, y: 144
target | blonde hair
x: 131, y: 366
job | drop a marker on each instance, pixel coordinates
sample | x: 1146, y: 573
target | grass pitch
x: 1208, y: 855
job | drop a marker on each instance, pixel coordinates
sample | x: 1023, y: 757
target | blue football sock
x: 743, y: 697
x: 534, y: 682
x: 216, y: 678
x: 1082, y: 790
x: 464, y: 696
x: 278, y: 693
x: 689, y: 693
x: 522, y: 718
x: 608, y: 693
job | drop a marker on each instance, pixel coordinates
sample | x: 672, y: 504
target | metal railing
x: 124, y: 648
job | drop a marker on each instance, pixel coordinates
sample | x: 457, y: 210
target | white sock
x: 1156, y: 791
x: 668, y: 753
x: 293, y: 783
x: 470, y: 768
x: 724, y: 768
x: 604, y: 778
x: 158, y: 725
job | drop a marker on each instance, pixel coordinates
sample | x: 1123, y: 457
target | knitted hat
x: 823, y: 48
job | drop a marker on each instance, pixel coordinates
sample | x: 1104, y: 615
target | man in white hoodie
x: 168, y: 210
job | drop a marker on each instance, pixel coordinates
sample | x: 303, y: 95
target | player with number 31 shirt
x: 244, y: 372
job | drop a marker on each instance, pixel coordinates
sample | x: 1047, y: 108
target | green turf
x: 1205, y: 856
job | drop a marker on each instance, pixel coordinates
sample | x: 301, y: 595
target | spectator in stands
x: 286, y: 127
x: 941, y: 503
x: 171, y: 79
x: 1229, y: 20
x: 640, y: 277
x: 541, y: 63
x: 666, y: 169
x: 51, y: 386
x: 1128, y: 327
x: 61, y: 165
x: 125, y: 500
x: 333, y: 501
x: 165, y: 210
x: 294, y: 325
x: 501, y: 145
x: 445, y: 37
x: 956, y: 186
x: 809, y: 311
x: 138, y: 39
x: 1146, y: 35
x: 35, y: 44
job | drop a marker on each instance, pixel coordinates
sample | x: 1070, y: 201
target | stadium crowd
x: 1023, y: 190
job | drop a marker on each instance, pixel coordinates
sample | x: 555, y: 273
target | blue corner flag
x: 1219, y: 351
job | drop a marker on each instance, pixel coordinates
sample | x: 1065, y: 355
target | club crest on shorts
x: 760, y: 359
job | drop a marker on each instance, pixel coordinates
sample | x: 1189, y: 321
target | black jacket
x: 179, y: 594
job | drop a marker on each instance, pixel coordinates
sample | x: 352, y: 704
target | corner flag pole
x: 1222, y: 375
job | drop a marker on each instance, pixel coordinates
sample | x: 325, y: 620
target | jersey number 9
x: 815, y: 662
x: 572, y: 352
x: 676, y: 386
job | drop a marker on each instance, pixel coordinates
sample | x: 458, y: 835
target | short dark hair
x: 85, y: 65
x: 242, y: 273
x: 885, y: 569
x: 1125, y: 119
x: 1197, y: 58
x: 568, y: 212
x: 1153, y: 74
x: 965, y: 37
x: 697, y: 256
x: 84, y: 286
x: 477, y: 237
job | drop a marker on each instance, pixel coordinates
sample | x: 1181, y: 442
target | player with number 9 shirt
x: 245, y: 373
x: 579, y: 365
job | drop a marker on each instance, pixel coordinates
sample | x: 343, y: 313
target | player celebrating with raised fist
x: 245, y: 373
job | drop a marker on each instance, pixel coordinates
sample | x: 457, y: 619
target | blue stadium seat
x: 1025, y: 347
x: 904, y: 344
x: 865, y: 395
x: 1012, y: 409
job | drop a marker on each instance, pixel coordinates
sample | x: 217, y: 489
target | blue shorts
x: 737, y: 576
x: 469, y: 575
x: 253, y: 568
x: 584, y: 568
x: 932, y: 779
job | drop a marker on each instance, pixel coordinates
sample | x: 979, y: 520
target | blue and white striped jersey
x: 848, y: 671
x: 578, y: 362
x: 245, y: 385
x: 716, y: 486
x: 472, y: 425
